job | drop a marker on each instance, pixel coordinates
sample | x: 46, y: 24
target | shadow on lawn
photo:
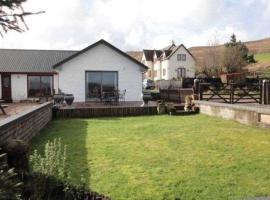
x: 73, y: 133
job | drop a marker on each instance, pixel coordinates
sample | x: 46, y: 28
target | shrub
x: 17, y: 156
x: 10, y: 186
x: 53, y: 162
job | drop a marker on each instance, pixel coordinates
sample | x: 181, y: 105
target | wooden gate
x: 231, y: 93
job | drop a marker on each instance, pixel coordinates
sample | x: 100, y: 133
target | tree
x: 236, y: 56
x: 211, y: 60
x: 12, y: 16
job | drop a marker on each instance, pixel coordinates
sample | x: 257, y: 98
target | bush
x: 17, y: 156
x: 53, y: 163
x: 10, y: 186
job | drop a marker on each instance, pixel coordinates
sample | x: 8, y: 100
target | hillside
x: 260, y: 48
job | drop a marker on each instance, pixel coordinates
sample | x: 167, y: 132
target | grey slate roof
x: 21, y: 60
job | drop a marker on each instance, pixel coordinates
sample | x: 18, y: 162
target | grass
x: 262, y: 57
x: 166, y: 157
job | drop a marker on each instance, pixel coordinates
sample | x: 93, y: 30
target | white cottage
x: 172, y: 62
x: 101, y: 67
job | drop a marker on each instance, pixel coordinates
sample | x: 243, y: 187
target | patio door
x: 98, y: 82
x: 6, y: 87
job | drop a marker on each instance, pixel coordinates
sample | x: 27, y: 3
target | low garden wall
x: 251, y: 114
x: 27, y: 124
x: 88, y: 112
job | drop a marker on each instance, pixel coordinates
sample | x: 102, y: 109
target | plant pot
x: 58, y: 98
x: 161, y: 108
x: 69, y: 98
x: 146, y: 97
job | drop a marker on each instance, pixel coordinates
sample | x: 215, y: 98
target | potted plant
x: 170, y: 108
x: 161, y: 107
x: 69, y: 98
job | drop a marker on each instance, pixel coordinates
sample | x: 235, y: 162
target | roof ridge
x: 38, y: 50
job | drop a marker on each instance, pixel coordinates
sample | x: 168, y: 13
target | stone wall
x: 27, y: 124
x: 250, y: 114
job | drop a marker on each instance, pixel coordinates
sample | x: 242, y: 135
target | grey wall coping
x: 18, y: 116
x: 259, y: 108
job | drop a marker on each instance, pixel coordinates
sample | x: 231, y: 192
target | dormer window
x: 181, y: 57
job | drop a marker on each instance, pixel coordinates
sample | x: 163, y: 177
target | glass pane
x: 46, y: 85
x: 109, y: 81
x: 93, y: 84
x: 34, y: 86
x: 6, y: 82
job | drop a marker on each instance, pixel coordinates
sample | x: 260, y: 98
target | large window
x: 98, y: 82
x: 40, y: 86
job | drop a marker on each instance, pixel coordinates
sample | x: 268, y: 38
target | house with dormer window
x: 171, y: 62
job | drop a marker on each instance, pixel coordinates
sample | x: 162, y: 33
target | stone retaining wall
x: 27, y: 124
x: 251, y: 114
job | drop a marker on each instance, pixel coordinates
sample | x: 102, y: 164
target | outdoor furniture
x: 122, y: 95
x: 2, y: 107
x: 110, y: 97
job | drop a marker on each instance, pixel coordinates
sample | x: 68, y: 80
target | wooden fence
x: 234, y: 92
x: 175, y: 95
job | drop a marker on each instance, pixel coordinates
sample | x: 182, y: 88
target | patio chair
x: 122, y: 95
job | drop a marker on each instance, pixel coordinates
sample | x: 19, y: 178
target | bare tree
x: 211, y: 60
x: 12, y: 16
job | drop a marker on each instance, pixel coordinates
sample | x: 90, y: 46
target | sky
x: 139, y: 24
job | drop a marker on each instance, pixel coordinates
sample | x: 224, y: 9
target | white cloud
x: 130, y: 24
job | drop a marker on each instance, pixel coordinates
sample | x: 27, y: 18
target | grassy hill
x: 260, y: 48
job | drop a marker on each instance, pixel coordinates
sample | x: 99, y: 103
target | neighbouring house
x: 172, y: 62
x: 100, y: 67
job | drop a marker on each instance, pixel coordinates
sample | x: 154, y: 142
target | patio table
x: 2, y: 107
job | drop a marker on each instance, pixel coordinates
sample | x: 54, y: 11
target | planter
x: 58, y: 98
x: 69, y: 98
x: 161, y: 108
x: 147, y: 97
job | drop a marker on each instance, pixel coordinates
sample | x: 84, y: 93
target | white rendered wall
x: 100, y: 58
x: 189, y: 64
x: 18, y: 87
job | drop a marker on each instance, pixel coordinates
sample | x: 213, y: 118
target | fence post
x: 196, y: 85
x: 200, y: 91
x: 231, y: 91
x: 265, y: 92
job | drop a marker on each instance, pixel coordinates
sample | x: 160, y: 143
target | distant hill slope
x: 256, y: 46
x: 260, y: 48
x: 135, y: 54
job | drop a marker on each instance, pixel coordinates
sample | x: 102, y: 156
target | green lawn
x: 262, y: 57
x: 164, y: 157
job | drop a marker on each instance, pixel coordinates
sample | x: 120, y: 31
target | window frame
x: 98, y: 71
x: 40, y: 78
x: 181, y: 57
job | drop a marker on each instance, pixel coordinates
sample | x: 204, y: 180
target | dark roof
x: 22, y: 60
x: 96, y: 44
x: 149, y: 54
x: 167, y: 53
x: 158, y: 53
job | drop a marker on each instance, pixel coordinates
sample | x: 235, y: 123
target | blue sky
x: 138, y: 24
